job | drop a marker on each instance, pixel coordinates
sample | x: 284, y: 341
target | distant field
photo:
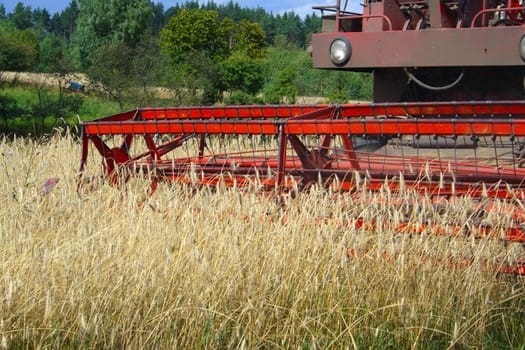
x: 42, y: 79
x: 115, y: 268
x: 52, y: 81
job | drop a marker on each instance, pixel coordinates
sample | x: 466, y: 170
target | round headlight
x: 522, y: 47
x: 340, y: 50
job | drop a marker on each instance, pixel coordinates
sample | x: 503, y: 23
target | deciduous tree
x: 196, y: 41
x: 283, y: 88
x: 240, y: 72
x: 56, y: 59
x: 101, y: 22
x: 195, y: 30
x: 112, y: 68
x: 250, y: 39
x: 18, y: 49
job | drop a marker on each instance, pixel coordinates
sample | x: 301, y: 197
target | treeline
x: 297, y: 31
x: 200, y: 54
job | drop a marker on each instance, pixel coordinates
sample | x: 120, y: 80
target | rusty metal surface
x: 494, y: 46
x: 432, y: 33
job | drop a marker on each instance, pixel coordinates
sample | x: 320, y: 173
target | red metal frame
x: 299, y: 148
x: 298, y: 162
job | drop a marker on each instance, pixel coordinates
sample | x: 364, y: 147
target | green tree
x: 250, y: 39
x: 56, y: 61
x: 124, y: 73
x: 48, y: 105
x: 331, y: 84
x: 196, y: 41
x: 3, y: 15
x: 283, y: 89
x: 53, y: 55
x: 195, y: 30
x: 147, y: 66
x: 112, y: 69
x: 18, y: 49
x: 171, y: 11
x: 21, y: 17
x: 158, y: 19
x: 312, y: 24
x: 232, y: 10
x: 240, y: 72
x: 101, y: 22
x: 194, y: 80
x: 281, y: 42
x: 9, y: 109
x: 291, y: 26
x: 63, y: 24
x: 41, y: 21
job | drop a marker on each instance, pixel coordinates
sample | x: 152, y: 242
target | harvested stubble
x: 114, y: 268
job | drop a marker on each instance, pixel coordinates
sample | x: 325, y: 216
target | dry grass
x: 112, y: 268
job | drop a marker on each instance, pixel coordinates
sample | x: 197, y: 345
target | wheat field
x: 106, y: 267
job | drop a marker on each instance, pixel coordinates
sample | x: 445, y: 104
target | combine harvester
x: 448, y: 116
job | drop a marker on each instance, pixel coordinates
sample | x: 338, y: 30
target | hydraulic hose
x: 430, y: 87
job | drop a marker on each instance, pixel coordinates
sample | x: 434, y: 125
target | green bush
x: 242, y: 98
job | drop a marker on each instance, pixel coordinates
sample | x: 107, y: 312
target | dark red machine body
x: 432, y: 50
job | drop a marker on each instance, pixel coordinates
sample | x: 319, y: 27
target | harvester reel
x: 299, y: 145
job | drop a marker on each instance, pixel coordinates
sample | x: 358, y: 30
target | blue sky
x: 275, y: 6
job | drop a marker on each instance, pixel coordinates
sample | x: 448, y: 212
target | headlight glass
x: 340, y: 50
x: 522, y: 47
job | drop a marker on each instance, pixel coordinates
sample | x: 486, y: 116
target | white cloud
x: 302, y: 11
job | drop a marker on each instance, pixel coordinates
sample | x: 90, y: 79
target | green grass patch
x: 31, y: 111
